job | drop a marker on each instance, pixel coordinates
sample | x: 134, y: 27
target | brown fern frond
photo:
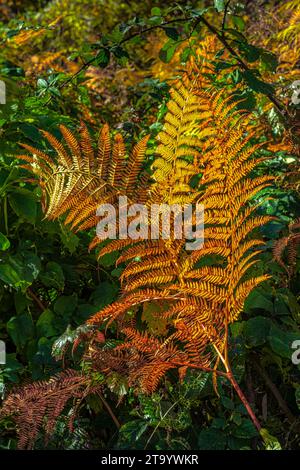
x: 37, y: 406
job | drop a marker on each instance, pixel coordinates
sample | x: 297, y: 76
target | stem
x: 243, y: 399
x: 282, y: 404
x: 5, y: 214
x: 36, y: 299
x: 224, y: 16
x: 110, y: 411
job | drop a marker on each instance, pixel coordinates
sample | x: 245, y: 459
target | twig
x: 110, y: 411
x: 276, y: 393
x: 224, y: 16
x: 36, y: 299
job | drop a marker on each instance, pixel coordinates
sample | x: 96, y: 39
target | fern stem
x: 243, y: 399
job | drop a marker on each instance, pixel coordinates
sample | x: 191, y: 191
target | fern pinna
x: 199, y: 293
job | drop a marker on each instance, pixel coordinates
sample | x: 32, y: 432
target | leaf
x: 227, y: 403
x: 271, y: 442
x: 245, y: 430
x: 257, y: 85
x: 117, y: 384
x: 12, y: 368
x: 46, y: 324
x: 256, y: 331
x: 42, y: 83
x: 69, y: 239
x: 281, y: 341
x: 211, y: 439
x: 238, y: 22
x: 66, y: 305
x: 152, y: 315
x: 269, y: 61
x: 109, y: 259
x: 20, y: 329
x: 167, y: 51
x: 119, y: 52
x: 219, y: 5
x: 104, y: 294
x: 9, y: 276
x: 171, y: 33
x: 155, y: 11
x: 259, y: 299
x: 53, y: 276
x: 4, y: 242
x: 102, y: 58
x: 187, y: 51
x: 23, y: 203
x: 250, y: 52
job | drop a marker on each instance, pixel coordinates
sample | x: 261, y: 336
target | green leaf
x: 250, y: 52
x: 46, y: 324
x: 11, y: 368
x: 269, y: 61
x: 171, y: 33
x: 246, y: 99
x: 211, y: 439
x: 227, y: 403
x: 102, y: 58
x: 4, y: 242
x: 259, y: 299
x: 238, y: 22
x: 245, y: 430
x: 23, y: 203
x: 219, y: 5
x: 9, y: 276
x: 167, y: 51
x: 109, y: 259
x: 155, y: 11
x: 256, y: 331
x: 119, y: 52
x: 281, y: 341
x: 257, y: 85
x: 271, y: 442
x: 53, y: 276
x: 66, y: 305
x: 69, y: 239
x: 20, y: 329
x: 117, y: 384
x: 41, y: 83
x: 186, y: 53
x: 104, y: 294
